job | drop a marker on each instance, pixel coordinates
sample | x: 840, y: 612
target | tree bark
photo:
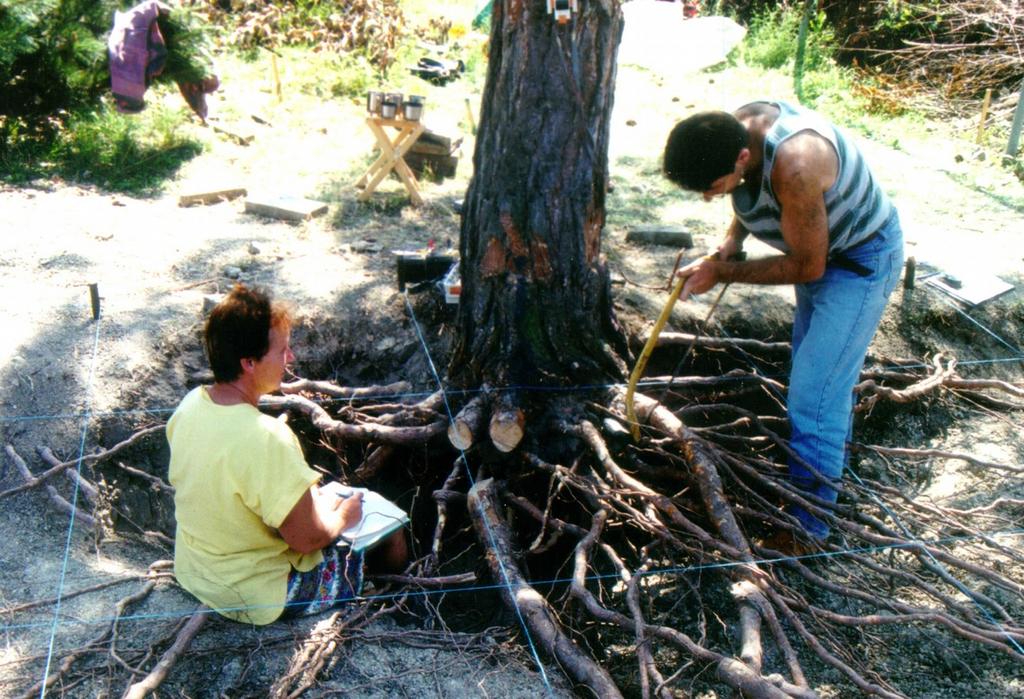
x: 535, y: 305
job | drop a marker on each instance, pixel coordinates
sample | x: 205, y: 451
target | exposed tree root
x: 103, y: 455
x: 156, y: 676
x: 313, y: 653
x: 537, y: 614
x: 661, y: 535
x: 108, y: 634
x: 364, y: 432
x: 56, y: 499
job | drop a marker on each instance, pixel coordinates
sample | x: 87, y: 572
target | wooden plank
x: 285, y: 207
x: 660, y: 235
x: 212, y: 197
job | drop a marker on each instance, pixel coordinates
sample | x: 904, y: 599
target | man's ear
x: 742, y: 159
x: 248, y: 363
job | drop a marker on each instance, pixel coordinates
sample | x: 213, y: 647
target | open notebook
x: 380, y: 517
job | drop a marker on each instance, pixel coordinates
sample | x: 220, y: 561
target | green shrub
x: 54, y: 71
x: 772, y: 39
x: 52, y: 58
x: 354, y: 75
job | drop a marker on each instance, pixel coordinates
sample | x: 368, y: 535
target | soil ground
x: 75, y: 384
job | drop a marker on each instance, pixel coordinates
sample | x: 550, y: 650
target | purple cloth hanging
x: 137, y: 54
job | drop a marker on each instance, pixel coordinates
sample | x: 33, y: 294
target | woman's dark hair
x: 239, y: 328
x: 702, y: 148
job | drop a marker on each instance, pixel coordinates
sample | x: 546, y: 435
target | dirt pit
x: 75, y: 385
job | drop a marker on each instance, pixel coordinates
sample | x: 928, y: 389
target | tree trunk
x: 535, y: 305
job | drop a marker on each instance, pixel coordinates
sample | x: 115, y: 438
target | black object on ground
x: 422, y: 268
x: 438, y: 70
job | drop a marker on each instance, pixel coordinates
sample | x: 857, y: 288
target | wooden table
x: 391, y: 157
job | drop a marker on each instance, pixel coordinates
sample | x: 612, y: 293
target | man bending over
x: 800, y: 185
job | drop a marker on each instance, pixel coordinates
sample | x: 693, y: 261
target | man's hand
x: 731, y: 247
x: 700, y: 275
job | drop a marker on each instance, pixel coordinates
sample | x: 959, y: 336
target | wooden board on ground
x: 660, y: 235
x: 285, y: 207
x: 211, y: 197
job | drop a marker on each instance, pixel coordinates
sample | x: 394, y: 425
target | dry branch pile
x: 372, y: 26
x: 960, y: 48
x: 664, y: 546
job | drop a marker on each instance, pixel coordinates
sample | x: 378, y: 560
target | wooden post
x: 94, y: 298
x: 911, y: 270
x: 472, y: 121
x: 277, y: 76
x: 984, y: 114
x: 1018, y: 121
x: 801, y: 50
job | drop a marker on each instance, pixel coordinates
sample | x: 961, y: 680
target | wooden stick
x: 85, y: 486
x: 984, y: 114
x: 277, y: 76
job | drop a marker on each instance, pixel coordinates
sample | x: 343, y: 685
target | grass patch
x: 124, y: 153
x: 133, y: 154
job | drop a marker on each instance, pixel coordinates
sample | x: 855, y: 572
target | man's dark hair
x: 239, y: 328
x: 702, y: 148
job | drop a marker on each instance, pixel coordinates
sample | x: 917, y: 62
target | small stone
x: 366, y: 246
x: 385, y: 344
x: 232, y: 272
x: 630, y: 122
x: 211, y: 300
x: 253, y: 250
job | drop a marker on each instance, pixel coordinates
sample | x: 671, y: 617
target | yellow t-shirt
x: 237, y: 473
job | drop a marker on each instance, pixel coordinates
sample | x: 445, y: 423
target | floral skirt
x: 337, y: 579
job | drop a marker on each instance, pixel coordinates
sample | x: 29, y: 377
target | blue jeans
x: 836, y: 317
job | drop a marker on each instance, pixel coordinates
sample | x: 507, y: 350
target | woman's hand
x: 351, y: 510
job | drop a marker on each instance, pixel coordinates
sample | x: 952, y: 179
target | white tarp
x: 657, y: 37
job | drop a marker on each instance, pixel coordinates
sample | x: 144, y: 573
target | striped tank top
x: 856, y: 206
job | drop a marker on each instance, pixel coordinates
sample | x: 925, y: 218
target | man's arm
x: 805, y: 167
x: 733, y: 241
x: 319, y: 518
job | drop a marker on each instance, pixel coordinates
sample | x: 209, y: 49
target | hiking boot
x: 790, y: 544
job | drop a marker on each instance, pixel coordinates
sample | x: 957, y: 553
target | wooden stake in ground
x: 984, y: 115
